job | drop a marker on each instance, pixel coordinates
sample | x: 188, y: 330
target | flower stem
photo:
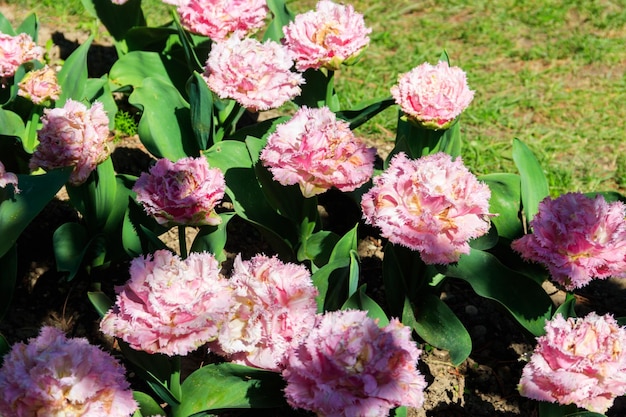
x: 182, y: 242
x: 175, y: 386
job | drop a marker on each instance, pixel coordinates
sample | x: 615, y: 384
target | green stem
x: 332, y: 101
x: 175, y: 386
x: 182, y: 242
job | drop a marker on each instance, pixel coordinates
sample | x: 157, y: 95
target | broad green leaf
x: 8, y: 277
x: 317, y: 247
x: 342, y: 283
x: 444, y: 57
x: 609, y: 196
x: 17, y: 212
x: 101, y: 302
x: 227, y: 385
x: 363, y: 112
x: 165, y: 125
x: 213, y: 238
x: 417, y: 141
x: 5, y: 26
x: 148, y: 38
x: 489, y: 278
x: 534, y: 185
x: 361, y: 301
x: 98, y: 89
x: 186, y: 40
x: 321, y: 280
x: 314, y: 89
x: 505, y: 203
x: 147, y: 405
x: 30, y: 26
x: 437, y: 324
x: 346, y: 245
x: 70, y: 242
x: 567, y: 308
x: 11, y: 124
x: 118, y: 19
x: 399, y: 412
x: 282, y: 17
x: 547, y: 409
x: 201, y: 104
x: 136, y: 66
x: 140, y: 232
x: 29, y: 136
x: 72, y: 77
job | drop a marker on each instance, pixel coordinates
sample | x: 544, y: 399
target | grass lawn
x: 551, y: 73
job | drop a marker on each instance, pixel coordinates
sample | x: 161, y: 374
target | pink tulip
x: 433, y: 205
x: 59, y: 377
x: 40, y: 86
x: 15, y: 51
x: 7, y: 178
x: 317, y: 151
x: 578, y: 238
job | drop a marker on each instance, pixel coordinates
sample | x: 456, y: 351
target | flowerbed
x: 295, y: 329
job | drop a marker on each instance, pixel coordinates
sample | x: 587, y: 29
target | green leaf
x: 99, y: 89
x: 437, y: 324
x: 534, y: 185
x: 361, y: 301
x: 11, y: 124
x: 140, y: 232
x: 314, y: 89
x: 8, y: 278
x: 101, y: 302
x: 505, y: 202
x: 399, y: 412
x: 136, y: 66
x: 17, y: 212
x: 70, y: 242
x: 417, y: 141
x: 547, y: 409
x: 30, y: 26
x: 346, y: 245
x: 363, y: 112
x: 165, y: 124
x: 147, y: 405
x: 73, y: 75
x: 282, y: 17
x: 118, y: 19
x: 491, y: 279
x: 567, y: 308
x: 213, y: 238
x: 5, y: 26
x: 321, y: 279
x: 29, y: 135
x: 317, y: 247
x: 201, y: 104
x: 228, y: 385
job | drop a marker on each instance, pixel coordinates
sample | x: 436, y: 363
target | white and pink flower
x: 273, y: 310
x: 170, y: 305
x: 348, y: 366
x: 15, y: 51
x: 7, y: 178
x: 72, y: 135
x: 221, y: 19
x: 40, y: 86
x: 184, y: 192
x: 330, y: 35
x: 55, y: 376
x: 316, y: 151
x: 256, y: 75
x: 433, y: 96
x: 433, y: 205
x: 577, y: 238
x: 578, y: 361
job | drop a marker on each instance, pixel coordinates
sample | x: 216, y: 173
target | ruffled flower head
x: 433, y: 96
x: 169, y: 305
x: 72, y: 135
x: 578, y: 238
x: 7, y: 178
x: 433, y: 205
x: 221, y: 19
x: 184, y: 192
x: 15, y: 51
x: 40, y: 86
x: 273, y: 310
x: 348, y: 366
x: 317, y: 151
x: 578, y: 361
x: 256, y: 75
x: 59, y: 377
x: 330, y: 35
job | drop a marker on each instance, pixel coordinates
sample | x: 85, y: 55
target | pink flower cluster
x: 7, y: 178
x: 433, y: 205
x: 273, y: 310
x: 327, y: 37
x: 348, y: 366
x: 72, y: 135
x: 170, y: 305
x: 578, y: 238
x: 317, y: 151
x: 433, y: 95
x: 578, y: 361
x: 40, y: 85
x: 15, y: 51
x: 220, y: 19
x: 256, y: 75
x: 184, y: 192
x: 56, y: 376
